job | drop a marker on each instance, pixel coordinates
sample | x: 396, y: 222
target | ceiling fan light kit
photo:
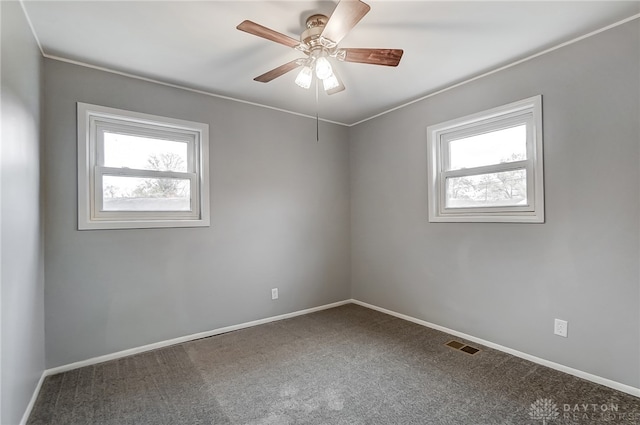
x: 331, y: 82
x: 319, y: 42
x: 323, y: 67
x: 304, y: 77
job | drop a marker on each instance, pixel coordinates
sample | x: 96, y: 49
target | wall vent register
x: 457, y: 345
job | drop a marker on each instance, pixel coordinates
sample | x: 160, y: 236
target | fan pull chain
x: 317, y: 117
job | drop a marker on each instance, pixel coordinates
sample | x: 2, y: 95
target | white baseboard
x: 557, y: 366
x: 95, y: 360
x: 161, y: 344
x: 32, y: 402
x: 187, y: 338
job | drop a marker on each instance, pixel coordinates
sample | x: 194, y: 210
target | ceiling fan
x: 319, y: 42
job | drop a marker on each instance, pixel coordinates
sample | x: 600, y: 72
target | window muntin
x: 488, y: 166
x: 137, y: 170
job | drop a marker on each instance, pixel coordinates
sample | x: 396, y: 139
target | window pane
x: 495, y: 147
x: 145, y: 194
x: 144, y: 153
x: 507, y: 188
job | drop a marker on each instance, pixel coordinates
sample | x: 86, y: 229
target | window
x: 487, y: 167
x: 138, y: 171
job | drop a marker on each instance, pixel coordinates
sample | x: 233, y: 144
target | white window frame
x: 93, y: 120
x: 527, y: 111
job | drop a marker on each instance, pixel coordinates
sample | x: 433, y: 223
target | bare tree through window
x: 163, y: 187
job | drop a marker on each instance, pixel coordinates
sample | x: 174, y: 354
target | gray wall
x: 280, y: 218
x: 21, y: 284
x: 507, y: 282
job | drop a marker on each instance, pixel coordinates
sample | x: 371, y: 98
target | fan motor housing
x: 315, y: 26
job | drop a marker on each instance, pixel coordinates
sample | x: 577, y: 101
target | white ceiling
x: 196, y: 44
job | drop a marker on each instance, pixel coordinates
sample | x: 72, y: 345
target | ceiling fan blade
x: 387, y: 57
x: 345, y: 16
x: 269, y: 34
x: 279, y: 71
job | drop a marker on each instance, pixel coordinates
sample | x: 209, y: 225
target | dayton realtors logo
x: 606, y: 412
x: 546, y: 410
x: 543, y: 409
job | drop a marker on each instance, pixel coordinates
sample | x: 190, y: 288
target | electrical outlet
x: 560, y: 327
x: 274, y: 294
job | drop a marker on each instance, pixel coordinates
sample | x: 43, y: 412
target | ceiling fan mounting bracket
x: 325, y: 42
x: 339, y: 54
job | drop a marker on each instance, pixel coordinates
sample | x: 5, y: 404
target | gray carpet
x: 347, y: 365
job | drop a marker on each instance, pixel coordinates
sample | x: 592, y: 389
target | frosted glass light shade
x: 323, y: 68
x: 304, y: 77
x: 331, y: 82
